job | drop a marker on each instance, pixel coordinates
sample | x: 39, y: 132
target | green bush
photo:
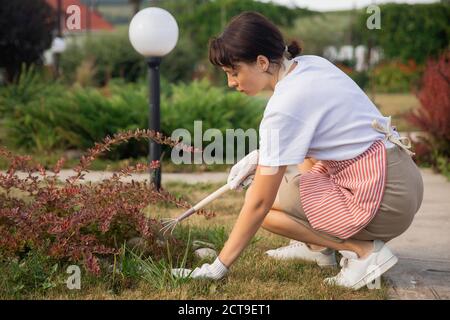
x: 395, y: 76
x: 408, y: 31
x: 34, y: 272
x: 112, y: 56
x: 216, y: 107
x: 75, y: 118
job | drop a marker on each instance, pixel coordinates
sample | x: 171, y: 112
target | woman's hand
x: 241, y: 172
x: 215, y: 271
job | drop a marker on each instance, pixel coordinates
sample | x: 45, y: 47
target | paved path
x: 423, y: 270
x: 96, y: 176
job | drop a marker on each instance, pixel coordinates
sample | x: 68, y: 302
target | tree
x: 25, y: 32
x: 409, y: 31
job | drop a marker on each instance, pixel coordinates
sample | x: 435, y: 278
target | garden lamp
x: 153, y: 32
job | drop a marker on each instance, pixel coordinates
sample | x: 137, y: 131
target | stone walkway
x: 423, y: 270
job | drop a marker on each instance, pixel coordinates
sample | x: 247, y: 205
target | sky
x: 330, y: 5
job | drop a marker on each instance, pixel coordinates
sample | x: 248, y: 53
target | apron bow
x: 402, y: 142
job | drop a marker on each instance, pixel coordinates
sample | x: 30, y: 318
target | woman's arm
x: 258, y: 203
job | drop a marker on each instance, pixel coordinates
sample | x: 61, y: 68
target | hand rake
x: 169, y: 224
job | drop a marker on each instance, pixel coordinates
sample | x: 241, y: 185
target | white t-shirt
x: 317, y: 111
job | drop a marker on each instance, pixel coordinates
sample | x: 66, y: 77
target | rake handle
x: 212, y: 197
x: 204, y: 202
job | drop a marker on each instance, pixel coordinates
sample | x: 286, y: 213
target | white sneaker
x: 356, y: 273
x: 299, y: 250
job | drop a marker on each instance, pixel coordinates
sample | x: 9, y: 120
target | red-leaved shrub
x: 78, y: 221
x: 433, y: 115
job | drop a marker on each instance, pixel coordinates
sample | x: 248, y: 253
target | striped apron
x: 341, y: 197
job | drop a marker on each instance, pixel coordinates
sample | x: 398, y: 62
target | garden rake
x: 169, y: 224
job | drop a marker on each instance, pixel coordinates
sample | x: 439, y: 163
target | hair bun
x: 293, y: 50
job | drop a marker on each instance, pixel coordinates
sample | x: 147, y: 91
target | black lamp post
x: 154, y: 120
x: 153, y: 33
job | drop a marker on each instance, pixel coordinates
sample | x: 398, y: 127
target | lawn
x: 253, y: 276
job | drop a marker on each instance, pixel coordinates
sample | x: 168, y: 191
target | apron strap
x: 402, y: 142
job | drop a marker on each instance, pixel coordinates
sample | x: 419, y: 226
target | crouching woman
x: 363, y: 188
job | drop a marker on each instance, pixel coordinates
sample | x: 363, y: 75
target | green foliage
x: 28, y: 85
x: 158, y: 273
x: 443, y: 165
x: 322, y: 29
x: 361, y: 78
x: 74, y: 119
x: 199, y: 20
x: 394, y: 76
x: 216, y: 107
x: 43, y: 117
x: 409, y: 31
x: 217, y: 236
x: 111, y: 54
x: 209, y: 18
x: 34, y: 272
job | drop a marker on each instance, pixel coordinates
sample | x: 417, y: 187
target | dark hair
x: 246, y: 36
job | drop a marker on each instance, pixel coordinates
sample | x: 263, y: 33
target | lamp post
x: 153, y: 32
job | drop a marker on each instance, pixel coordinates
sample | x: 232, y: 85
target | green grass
x: 253, y: 276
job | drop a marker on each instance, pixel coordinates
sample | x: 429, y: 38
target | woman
x: 358, y: 186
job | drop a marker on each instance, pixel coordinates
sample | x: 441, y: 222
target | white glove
x: 215, y: 271
x: 242, y: 173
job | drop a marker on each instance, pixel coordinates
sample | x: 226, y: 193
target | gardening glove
x: 242, y: 173
x: 215, y: 271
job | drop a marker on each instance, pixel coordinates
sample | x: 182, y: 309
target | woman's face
x: 249, y: 78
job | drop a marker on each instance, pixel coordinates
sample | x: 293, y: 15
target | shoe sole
x: 368, y: 278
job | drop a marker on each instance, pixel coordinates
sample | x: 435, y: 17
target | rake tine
x: 167, y: 226
x: 173, y: 227
x: 168, y: 229
x: 166, y: 220
x: 170, y: 226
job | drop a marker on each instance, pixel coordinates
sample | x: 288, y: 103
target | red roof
x: 96, y: 20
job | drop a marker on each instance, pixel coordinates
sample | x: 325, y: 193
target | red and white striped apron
x: 341, y: 197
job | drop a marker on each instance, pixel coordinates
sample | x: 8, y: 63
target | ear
x: 262, y: 63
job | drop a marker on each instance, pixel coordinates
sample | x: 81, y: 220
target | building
x: 90, y: 19
x: 77, y: 19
